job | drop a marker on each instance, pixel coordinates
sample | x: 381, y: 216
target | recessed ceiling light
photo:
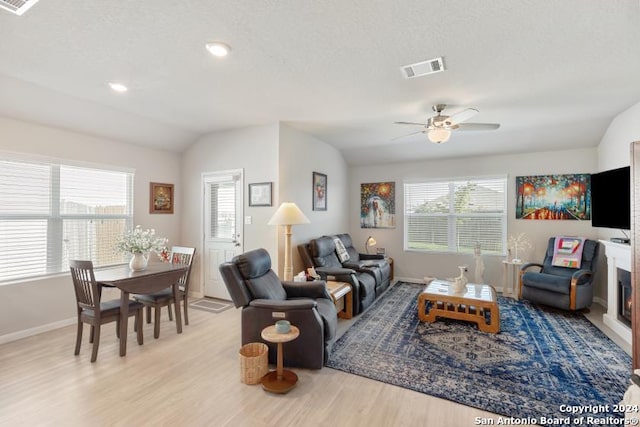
x: 118, y: 87
x: 218, y: 49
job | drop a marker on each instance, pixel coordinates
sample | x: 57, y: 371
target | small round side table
x: 281, y: 380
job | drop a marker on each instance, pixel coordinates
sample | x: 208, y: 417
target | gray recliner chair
x: 265, y: 299
x: 561, y: 287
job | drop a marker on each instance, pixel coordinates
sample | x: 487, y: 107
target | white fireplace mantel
x: 618, y: 257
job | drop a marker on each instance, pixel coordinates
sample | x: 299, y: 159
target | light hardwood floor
x: 191, y: 379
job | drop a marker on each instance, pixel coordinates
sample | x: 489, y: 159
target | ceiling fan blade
x: 409, y: 134
x: 409, y: 123
x: 478, y: 126
x: 462, y: 116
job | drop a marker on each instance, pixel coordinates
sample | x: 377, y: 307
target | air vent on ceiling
x: 17, y: 6
x: 423, y: 68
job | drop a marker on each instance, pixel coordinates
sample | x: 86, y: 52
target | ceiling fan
x: 438, y: 128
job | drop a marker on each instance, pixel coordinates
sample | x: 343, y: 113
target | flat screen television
x: 611, y: 199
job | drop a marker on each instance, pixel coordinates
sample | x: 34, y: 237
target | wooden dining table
x: 154, y: 278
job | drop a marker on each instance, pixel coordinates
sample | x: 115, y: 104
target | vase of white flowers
x: 138, y: 261
x: 139, y: 243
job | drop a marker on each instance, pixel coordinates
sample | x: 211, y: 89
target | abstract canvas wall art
x: 378, y: 205
x: 554, y: 197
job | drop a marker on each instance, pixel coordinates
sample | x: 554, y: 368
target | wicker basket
x: 254, y: 361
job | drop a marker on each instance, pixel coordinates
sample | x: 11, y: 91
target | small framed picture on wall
x: 161, y: 198
x: 319, y: 191
x: 260, y: 194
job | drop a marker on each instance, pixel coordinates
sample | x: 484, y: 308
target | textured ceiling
x: 552, y: 73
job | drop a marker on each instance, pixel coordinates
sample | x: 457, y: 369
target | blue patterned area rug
x: 541, y: 365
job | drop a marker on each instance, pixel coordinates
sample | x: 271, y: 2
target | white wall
x: 416, y: 265
x: 614, y: 150
x: 300, y: 156
x: 38, y: 303
x: 255, y: 150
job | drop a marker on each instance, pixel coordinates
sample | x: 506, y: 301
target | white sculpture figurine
x: 459, y: 284
x: 479, y: 263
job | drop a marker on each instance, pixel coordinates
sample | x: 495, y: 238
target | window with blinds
x: 223, y: 210
x: 51, y: 213
x: 456, y: 215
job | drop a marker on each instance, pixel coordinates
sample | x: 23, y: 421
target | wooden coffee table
x: 478, y: 304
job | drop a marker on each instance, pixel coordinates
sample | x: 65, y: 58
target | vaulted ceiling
x: 552, y: 73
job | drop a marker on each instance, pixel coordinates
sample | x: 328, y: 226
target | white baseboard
x: 37, y: 330
x: 600, y: 301
x: 196, y: 295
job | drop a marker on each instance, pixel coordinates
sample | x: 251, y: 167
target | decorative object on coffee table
x: 281, y: 380
x: 477, y: 254
x: 459, y: 284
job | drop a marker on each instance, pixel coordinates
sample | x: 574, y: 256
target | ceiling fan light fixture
x: 439, y: 135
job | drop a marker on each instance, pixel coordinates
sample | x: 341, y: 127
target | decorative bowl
x: 283, y: 326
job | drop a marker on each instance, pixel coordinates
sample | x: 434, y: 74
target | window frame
x: 452, y: 216
x: 55, y: 219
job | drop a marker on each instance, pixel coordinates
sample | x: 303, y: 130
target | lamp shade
x: 369, y: 242
x: 439, y: 135
x: 288, y: 214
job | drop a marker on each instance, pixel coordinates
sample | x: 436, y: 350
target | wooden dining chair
x: 95, y: 312
x: 157, y: 300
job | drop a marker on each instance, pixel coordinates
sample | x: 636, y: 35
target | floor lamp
x: 288, y: 214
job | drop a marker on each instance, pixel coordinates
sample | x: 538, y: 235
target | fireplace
x: 624, y: 296
x: 618, y: 312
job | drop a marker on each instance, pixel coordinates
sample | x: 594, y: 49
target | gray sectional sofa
x: 335, y: 257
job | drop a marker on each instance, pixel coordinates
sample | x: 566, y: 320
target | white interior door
x: 223, y: 227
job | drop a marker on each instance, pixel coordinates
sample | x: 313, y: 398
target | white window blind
x: 51, y: 213
x: 223, y: 210
x: 456, y: 215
